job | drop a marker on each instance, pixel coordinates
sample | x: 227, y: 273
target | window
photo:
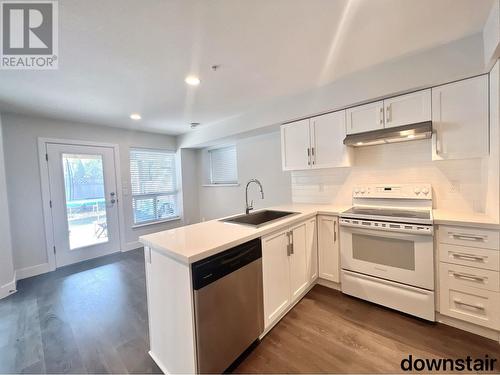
x: 223, y: 169
x: 153, y: 185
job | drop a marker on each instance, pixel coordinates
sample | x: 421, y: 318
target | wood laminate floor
x: 91, y: 318
x: 331, y: 332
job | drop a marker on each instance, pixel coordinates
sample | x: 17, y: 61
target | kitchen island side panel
x: 171, y: 313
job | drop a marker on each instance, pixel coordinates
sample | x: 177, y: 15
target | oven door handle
x: 387, y: 233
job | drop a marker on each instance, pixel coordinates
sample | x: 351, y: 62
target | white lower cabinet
x: 469, y: 278
x: 287, y: 267
x: 328, y: 248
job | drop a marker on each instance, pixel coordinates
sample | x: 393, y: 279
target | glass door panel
x: 85, y: 200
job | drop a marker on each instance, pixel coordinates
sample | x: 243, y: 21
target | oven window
x: 385, y: 251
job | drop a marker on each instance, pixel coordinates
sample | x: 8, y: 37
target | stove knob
x: 417, y: 191
x: 362, y: 190
x: 425, y: 191
x: 356, y: 191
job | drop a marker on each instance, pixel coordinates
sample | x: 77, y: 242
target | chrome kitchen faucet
x: 249, y: 207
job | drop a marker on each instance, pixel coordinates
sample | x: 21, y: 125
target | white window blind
x: 153, y: 185
x: 223, y: 167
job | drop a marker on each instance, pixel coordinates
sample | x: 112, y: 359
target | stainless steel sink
x: 259, y: 218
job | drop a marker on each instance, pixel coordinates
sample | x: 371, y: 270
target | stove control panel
x: 395, y: 191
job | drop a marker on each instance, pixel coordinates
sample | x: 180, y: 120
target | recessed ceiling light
x: 192, y: 80
x: 135, y: 116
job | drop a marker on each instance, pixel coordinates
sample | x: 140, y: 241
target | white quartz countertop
x: 447, y: 217
x: 191, y: 243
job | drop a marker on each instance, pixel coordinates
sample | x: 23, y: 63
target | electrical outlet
x: 454, y: 186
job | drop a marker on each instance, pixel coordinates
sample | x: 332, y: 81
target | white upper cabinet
x: 295, y: 146
x: 365, y: 118
x: 408, y: 109
x: 327, y: 136
x: 460, y: 119
x: 315, y: 143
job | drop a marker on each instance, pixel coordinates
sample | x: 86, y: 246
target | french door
x: 83, y: 200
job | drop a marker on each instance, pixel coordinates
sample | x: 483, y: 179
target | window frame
x: 175, y: 192
x: 210, y: 166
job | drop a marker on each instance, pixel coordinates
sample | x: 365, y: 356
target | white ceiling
x: 122, y: 56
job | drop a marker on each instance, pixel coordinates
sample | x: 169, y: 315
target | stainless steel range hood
x: 403, y: 133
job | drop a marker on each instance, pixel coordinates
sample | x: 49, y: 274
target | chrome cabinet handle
x: 308, y: 156
x: 468, y: 257
x: 388, y: 114
x: 465, y: 276
x: 478, y: 307
x: 468, y: 237
x: 334, y: 231
x: 313, y: 156
x: 381, y: 115
x: 289, y: 246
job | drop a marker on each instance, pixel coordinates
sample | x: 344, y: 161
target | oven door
x: 402, y: 257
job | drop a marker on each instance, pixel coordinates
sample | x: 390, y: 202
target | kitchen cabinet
x: 408, y: 109
x: 469, y: 277
x: 328, y: 248
x: 364, y: 118
x: 296, y: 145
x: 315, y: 143
x: 285, y: 257
x: 460, y: 119
x: 312, y: 249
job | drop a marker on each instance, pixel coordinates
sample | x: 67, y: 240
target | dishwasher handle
x: 211, y: 269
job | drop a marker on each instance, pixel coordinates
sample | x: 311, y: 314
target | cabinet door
x: 276, y: 276
x: 327, y: 137
x: 328, y: 248
x: 365, y: 118
x: 312, y: 250
x: 295, y: 146
x: 408, y: 109
x: 460, y: 119
x: 298, y: 261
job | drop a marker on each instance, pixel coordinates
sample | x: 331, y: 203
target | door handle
x: 478, y: 307
x: 465, y: 276
x: 334, y: 231
x: 474, y: 258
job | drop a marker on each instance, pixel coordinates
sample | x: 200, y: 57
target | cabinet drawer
x: 473, y: 305
x: 469, y: 256
x: 474, y: 237
x: 453, y: 275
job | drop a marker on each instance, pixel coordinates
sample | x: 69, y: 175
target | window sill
x: 220, y: 185
x: 135, y: 226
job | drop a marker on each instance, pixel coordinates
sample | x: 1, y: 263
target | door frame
x: 45, y: 188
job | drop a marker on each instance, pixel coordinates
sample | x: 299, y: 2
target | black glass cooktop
x: 389, y: 212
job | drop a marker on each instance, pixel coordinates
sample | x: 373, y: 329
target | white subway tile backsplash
x: 408, y: 162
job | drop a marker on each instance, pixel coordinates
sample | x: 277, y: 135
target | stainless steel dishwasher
x: 228, y: 305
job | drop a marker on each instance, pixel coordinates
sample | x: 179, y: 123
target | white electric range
x: 387, y: 247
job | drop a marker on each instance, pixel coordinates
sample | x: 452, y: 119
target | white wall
x: 493, y: 163
x: 258, y: 157
x: 491, y: 35
x: 7, y: 282
x: 459, y: 59
x: 23, y: 179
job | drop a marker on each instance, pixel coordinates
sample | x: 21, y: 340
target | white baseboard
x: 469, y: 327
x: 23, y: 273
x: 8, y: 289
x: 131, y: 246
x: 329, y: 284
